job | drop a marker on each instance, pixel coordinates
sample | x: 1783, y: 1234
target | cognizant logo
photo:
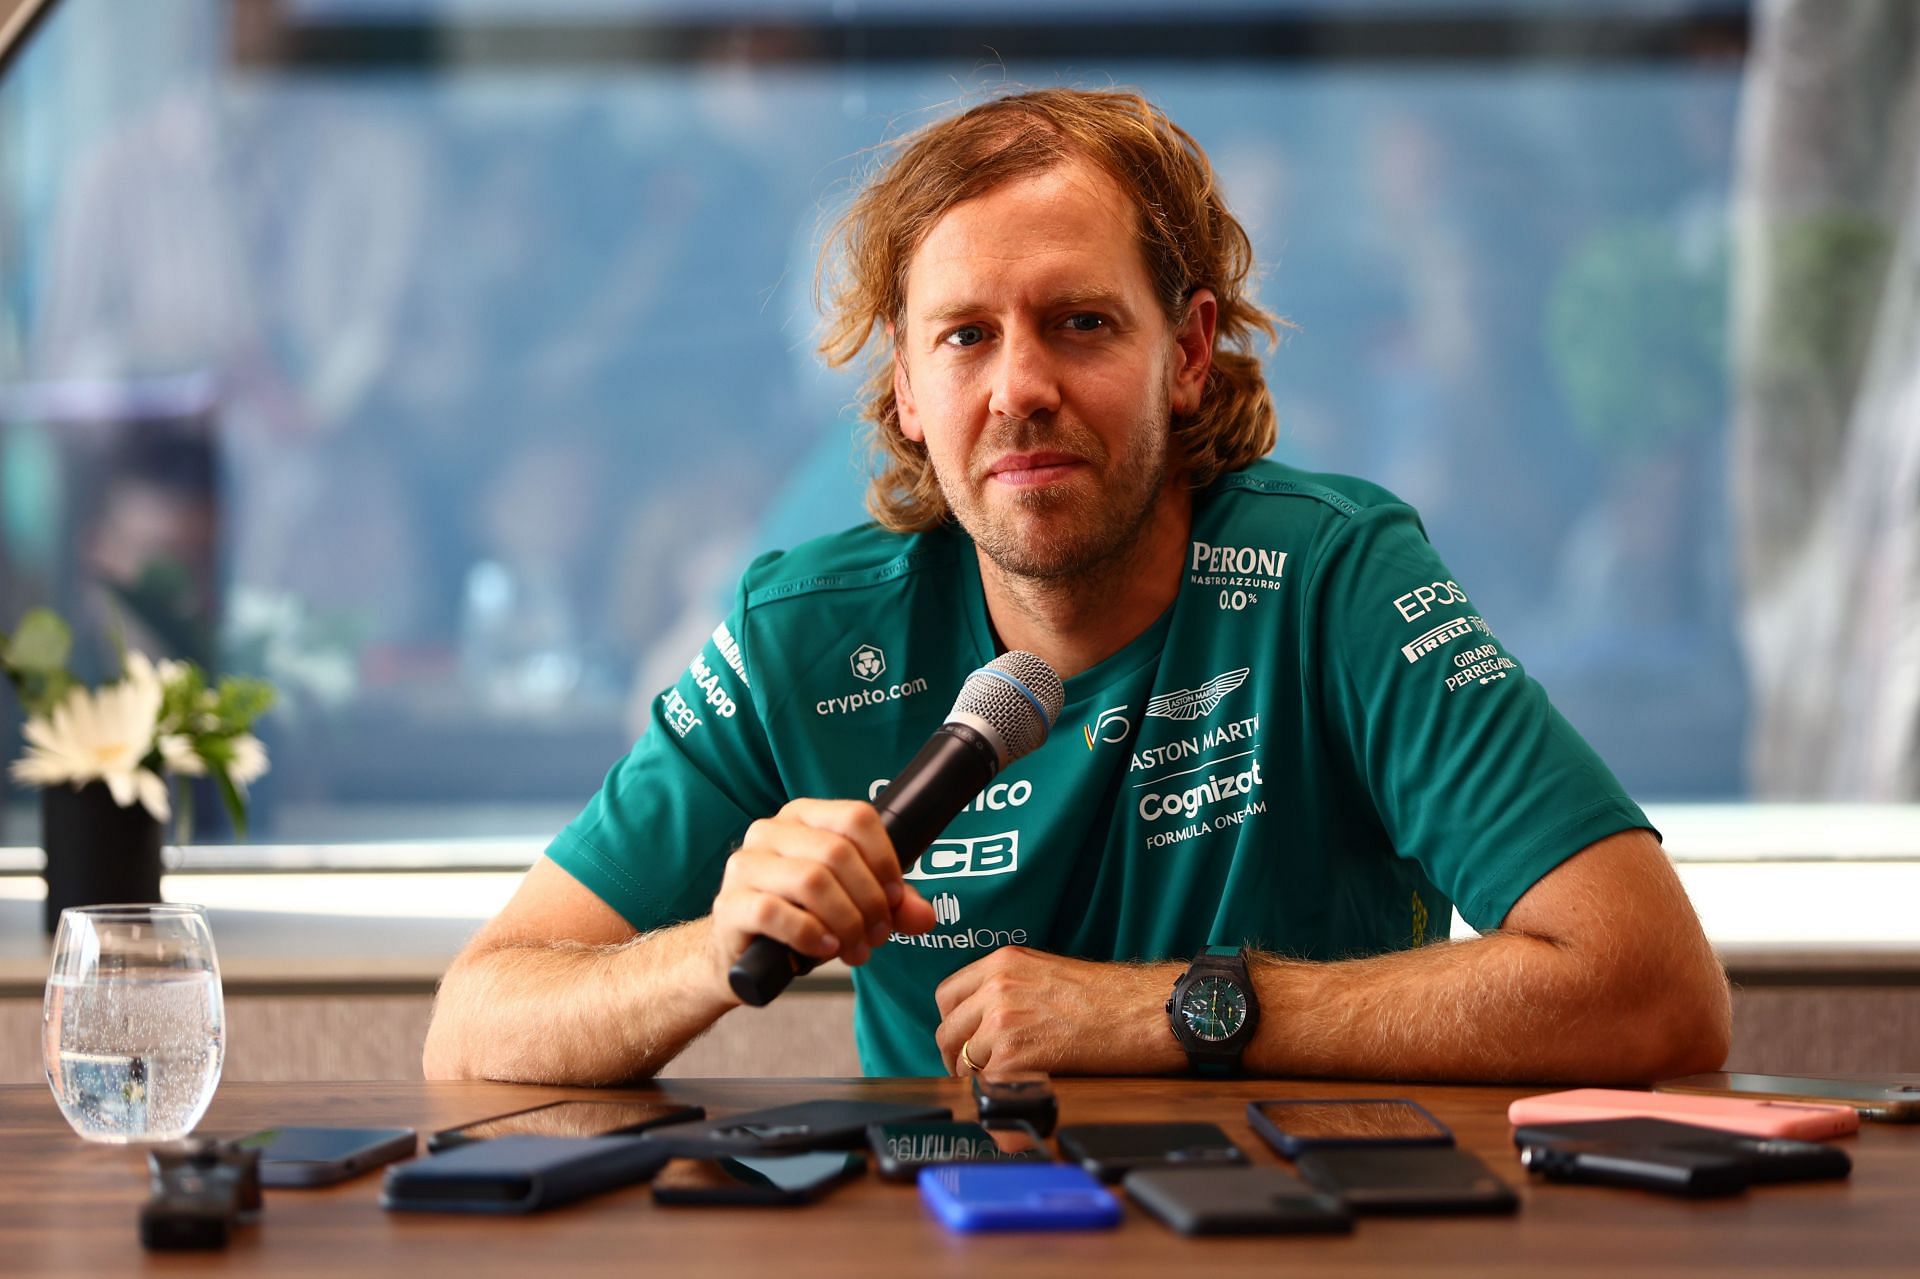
x: 868, y: 697
x: 1155, y: 805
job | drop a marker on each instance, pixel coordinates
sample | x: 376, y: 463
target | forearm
x: 572, y: 1013
x: 1507, y: 1006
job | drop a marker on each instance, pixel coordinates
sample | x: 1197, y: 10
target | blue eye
x: 965, y: 335
x: 1086, y: 322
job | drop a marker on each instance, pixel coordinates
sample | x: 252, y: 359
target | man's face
x: 1040, y: 371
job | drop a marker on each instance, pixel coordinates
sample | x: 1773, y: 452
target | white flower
x: 249, y: 761
x: 101, y: 736
x: 177, y: 753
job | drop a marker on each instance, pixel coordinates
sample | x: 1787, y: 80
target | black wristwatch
x: 1214, y: 1011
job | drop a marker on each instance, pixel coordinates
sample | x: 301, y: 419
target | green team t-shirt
x: 1318, y: 750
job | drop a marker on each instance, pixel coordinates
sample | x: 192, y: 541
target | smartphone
x: 519, y: 1174
x: 1292, y: 1127
x: 972, y: 1197
x: 323, y: 1156
x: 1692, y: 1174
x: 1733, y: 1114
x: 804, y: 1125
x: 1887, y: 1100
x: 1236, y: 1201
x: 568, y: 1119
x: 756, y: 1179
x: 900, y: 1151
x: 1111, y: 1151
x: 1762, y: 1159
x: 1407, y: 1179
x: 1017, y: 1096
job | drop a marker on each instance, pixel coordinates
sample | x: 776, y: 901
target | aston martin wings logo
x: 1192, y: 703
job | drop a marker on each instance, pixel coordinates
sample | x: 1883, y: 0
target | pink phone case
x: 1805, y: 1120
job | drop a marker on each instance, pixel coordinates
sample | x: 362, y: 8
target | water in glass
x: 133, y: 1032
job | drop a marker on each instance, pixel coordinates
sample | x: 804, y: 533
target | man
x: 1290, y: 741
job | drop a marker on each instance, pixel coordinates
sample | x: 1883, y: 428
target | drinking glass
x: 133, y: 1032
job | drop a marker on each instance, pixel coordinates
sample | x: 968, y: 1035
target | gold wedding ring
x: 966, y: 1058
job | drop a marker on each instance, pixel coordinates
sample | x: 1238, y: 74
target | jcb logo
x: 961, y: 858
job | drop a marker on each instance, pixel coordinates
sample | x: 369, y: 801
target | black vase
x: 98, y: 853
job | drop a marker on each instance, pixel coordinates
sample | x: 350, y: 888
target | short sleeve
x: 1473, y: 773
x: 653, y: 842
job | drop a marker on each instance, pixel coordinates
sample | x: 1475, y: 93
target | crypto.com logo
x: 869, y: 663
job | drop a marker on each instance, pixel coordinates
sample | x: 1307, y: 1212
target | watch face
x: 1214, y: 1009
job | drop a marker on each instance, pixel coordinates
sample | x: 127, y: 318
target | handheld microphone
x: 1003, y: 712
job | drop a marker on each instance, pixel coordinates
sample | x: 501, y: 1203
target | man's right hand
x: 821, y: 876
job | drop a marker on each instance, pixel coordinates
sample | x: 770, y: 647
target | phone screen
x: 919, y: 1145
x: 316, y: 1145
x: 571, y: 1119
x: 1353, y: 1120
x: 785, y: 1174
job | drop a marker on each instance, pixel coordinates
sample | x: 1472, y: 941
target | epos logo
x: 1420, y: 601
x: 868, y: 662
x: 968, y: 858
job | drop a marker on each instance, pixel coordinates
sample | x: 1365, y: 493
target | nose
x: 1026, y: 381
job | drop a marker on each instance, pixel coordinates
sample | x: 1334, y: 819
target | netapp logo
x: 995, y: 798
x: 1155, y: 805
x: 968, y: 858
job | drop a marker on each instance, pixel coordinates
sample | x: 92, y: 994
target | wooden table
x: 68, y: 1207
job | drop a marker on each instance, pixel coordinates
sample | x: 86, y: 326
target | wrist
x: 1155, y: 1051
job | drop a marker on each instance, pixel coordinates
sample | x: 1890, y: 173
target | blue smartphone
x: 1018, y: 1196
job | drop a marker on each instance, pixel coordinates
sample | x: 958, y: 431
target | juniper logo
x: 946, y: 909
x: 1192, y: 703
x: 869, y: 663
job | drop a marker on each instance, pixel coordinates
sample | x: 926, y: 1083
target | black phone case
x: 1236, y: 1201
x: 892, y: 1166
x: 804, y: 1125
x: 768, y: 1195
x: 1290, y: 1146
x: 1111, y: 1151
x: 1408, y: 1179
x: 519, y: 1174
x: 1765, y: 1159
x: 453, y: 1138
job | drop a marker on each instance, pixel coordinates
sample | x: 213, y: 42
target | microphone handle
x: 949, y: 772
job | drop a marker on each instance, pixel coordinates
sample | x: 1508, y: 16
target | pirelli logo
x: 1443, y: 634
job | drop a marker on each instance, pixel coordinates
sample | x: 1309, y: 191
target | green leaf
x: 230, y: 796
x: 41, y: 645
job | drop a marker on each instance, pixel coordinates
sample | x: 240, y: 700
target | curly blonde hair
x: 1187, y: 236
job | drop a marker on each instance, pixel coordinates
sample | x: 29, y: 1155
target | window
x: 447, y: 361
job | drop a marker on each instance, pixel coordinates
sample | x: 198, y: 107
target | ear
x: 903, y: 394
x: 1193, y: 353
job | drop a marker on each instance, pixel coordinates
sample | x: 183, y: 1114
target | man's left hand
x: 1022, y: 1009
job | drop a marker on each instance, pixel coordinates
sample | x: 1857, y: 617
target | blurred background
x: 445, y: 361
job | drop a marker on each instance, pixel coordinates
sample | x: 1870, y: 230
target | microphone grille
x: 1019, y: 695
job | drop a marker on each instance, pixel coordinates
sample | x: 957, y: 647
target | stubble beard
x: 1071, y: 535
